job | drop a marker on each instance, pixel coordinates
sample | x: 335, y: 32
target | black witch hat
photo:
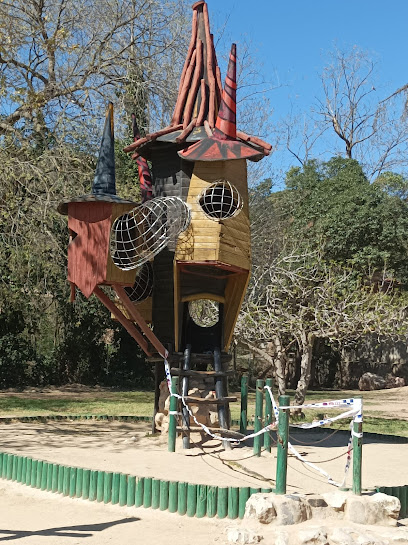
x: 104, y: 185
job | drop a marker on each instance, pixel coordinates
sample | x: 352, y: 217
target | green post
x: 86, y: 480
x: 131, y: 490
x: 258, y: 441
x: 233, y: 502
x: 72, y: 482
x: 173, y: 417
x: 155, y: 493
x: 222, y: 502
x: 201, y: 501
x: 164, y: 495
x: 115, y: 488
x: 147, y: 492
x: 92, y: 485
x: 139, y: 492
x: 54, y: 483
x: 282, y: 445
x: 100, y: 490
x: 79, y: 480
x: 191, y: 499
x: 244, y: 405
x: 44, y: 475
x: 182, y: 498
x: 123, y: 489
x: 357, y: 451
x: 244, y: 494
x: 268, y: 415
x: 19, y: 468
x: 173, y: 496
x: 211, y: 501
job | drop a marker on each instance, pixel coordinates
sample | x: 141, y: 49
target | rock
x: 394, y: 382
x: 390, y: 506
x: 166, y: 406
x: 163, y: 395
x: 312, y: 536
x: 261, y: 508
x: 201, y: 414
x: 336, y: 500
x: 165, y: 423
x: 158, y: 419
x: 363, y: 539
x: 379, y: 509
x: 242, y: 536
x: 213, y: 418
x: 281, y: 510
x: 291, y: 509
x: 370, y: 381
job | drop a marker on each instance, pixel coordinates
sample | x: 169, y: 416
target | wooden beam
x: 138, y: 318
x: 121, y: 318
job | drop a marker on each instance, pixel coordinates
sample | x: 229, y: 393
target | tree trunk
x: 307, y: 341
x: 277, y: 362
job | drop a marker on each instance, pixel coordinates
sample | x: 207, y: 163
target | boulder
x: 261, y: 508
x: 379, y: 509
x: 394, y: 382
x: 336, y: 500
x: 370, y: 381
x: 278, y: 509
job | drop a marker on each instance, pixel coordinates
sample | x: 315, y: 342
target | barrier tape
x: 355, y: 412
x: 310, y: 464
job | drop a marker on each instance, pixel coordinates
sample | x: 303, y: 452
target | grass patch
x: 138, y: 403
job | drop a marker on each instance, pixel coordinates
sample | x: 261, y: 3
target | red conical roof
x: 196, y: 114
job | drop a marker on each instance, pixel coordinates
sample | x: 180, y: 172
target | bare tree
x: 298, y: 298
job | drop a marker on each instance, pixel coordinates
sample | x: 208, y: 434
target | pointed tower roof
x: 222, y: 144
x: 104, y: 185
x: 199, y: 97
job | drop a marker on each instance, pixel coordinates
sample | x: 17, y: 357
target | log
x: 187, y: 130
x: 203, y: 105
x: 192, y: 95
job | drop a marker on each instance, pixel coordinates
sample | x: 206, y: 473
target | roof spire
x: 226, y: 123
x: 104, y: 180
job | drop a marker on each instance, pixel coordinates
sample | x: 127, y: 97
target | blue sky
x: 292, y: 38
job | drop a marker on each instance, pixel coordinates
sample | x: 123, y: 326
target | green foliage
x: 334, y: 206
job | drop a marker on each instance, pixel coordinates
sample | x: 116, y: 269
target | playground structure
x: 184, y: 251
x: 180, y: 259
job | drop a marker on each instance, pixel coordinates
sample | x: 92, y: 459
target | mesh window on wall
x: 220, y: 200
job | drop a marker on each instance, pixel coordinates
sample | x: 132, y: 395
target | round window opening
x: 204, y: 312
x: 220, y: 200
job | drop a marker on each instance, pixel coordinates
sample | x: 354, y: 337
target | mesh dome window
x: 143, y: 286
x: 204, y: 312
x: 220, y: 200
x: 138, y: 235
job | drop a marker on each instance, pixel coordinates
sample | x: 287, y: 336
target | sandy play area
x: 34, y: 517
x: 129, y: 448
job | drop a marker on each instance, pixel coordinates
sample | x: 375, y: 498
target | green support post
x: 173, y: 417
x: 54, y: 483
x: 258, y: 441
x: 268, y: 415
x: 29, y: 467
x: 243, y: 422
x: 282, y: 445
x: 44, y: 475
x: 72, y: 482
x: 19, y: 468
x: 357, y: 451
x: 244, y: 493
x: 92, y: 485
x: 39, y: 474
x: 115, y: 488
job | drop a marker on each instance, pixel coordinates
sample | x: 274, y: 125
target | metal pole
x: 258, y: 441
x: 282, y: 445
x: 173, y: 417
x: 244, y: 405
x: 357, y: 448
x: 268, y: 415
